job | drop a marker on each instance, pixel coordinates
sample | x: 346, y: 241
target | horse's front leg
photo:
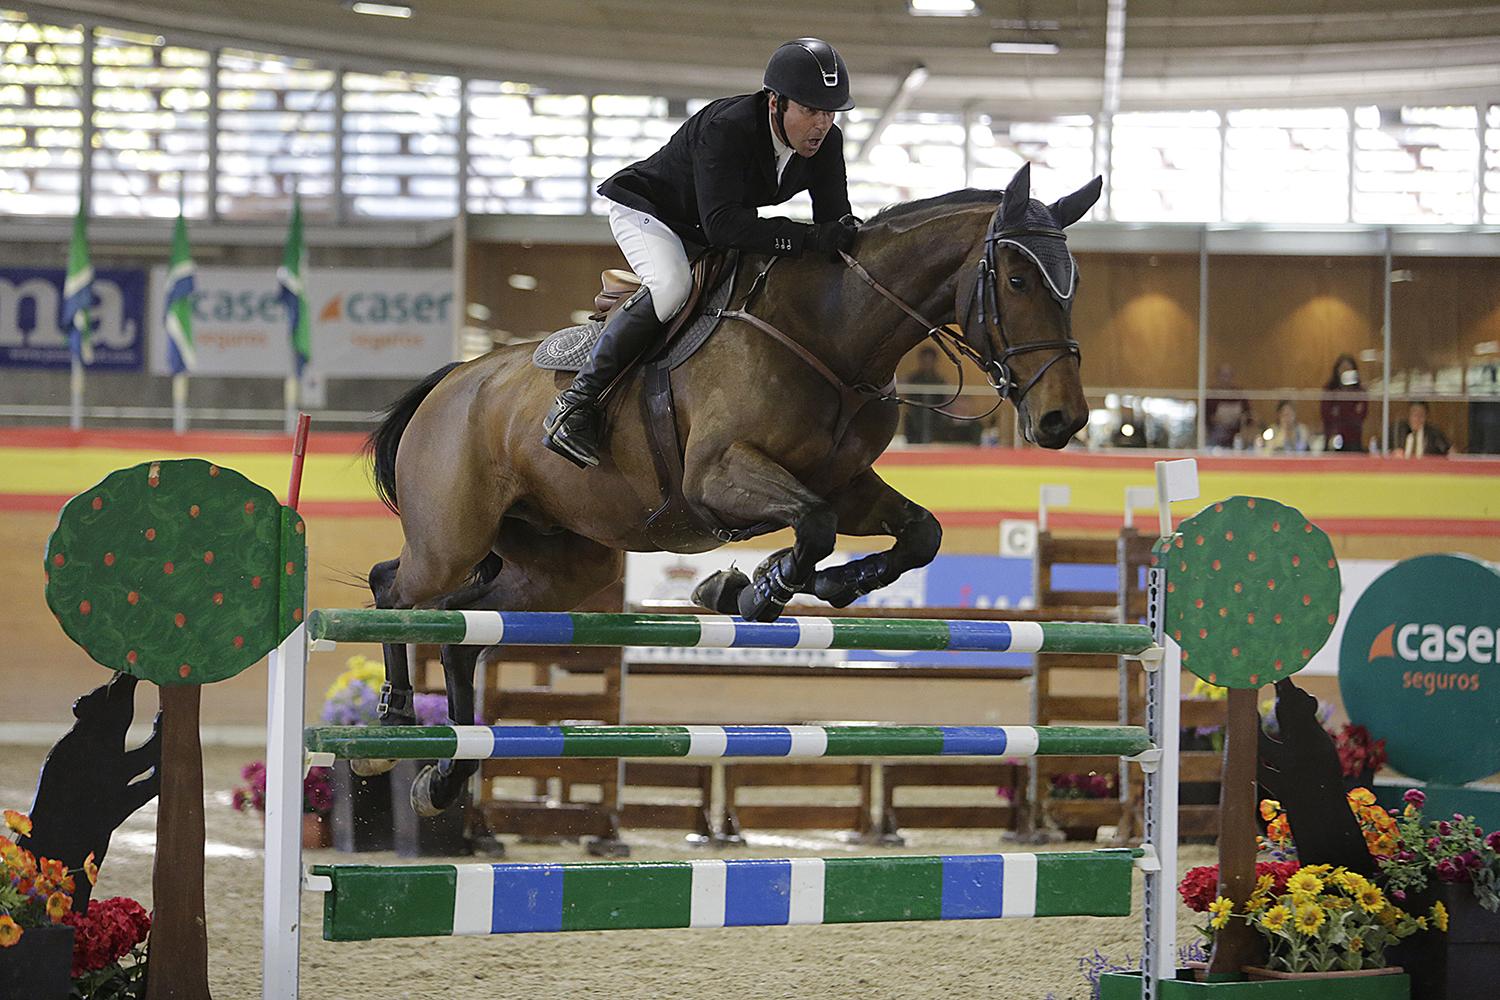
x: 747, y: 485
x: 440, y: 785
x: 869, y: 506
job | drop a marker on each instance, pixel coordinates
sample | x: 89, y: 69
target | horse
x: 771, y: 437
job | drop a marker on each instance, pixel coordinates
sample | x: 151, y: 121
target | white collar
x: 782, y: 151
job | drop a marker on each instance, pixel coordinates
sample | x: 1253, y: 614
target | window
x: 41, y: 125
x: 401, y: 145
x: 1060, y: 151
x: 528, y: 149
x: 1415, y: 164
x: 150, y: 126
x: 276, y: 121
x: 1165, y: 167
x: 1264, y: 148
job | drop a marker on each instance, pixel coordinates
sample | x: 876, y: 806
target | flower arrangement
x: 353, y: 699
x: 1314, y: 919
x: 34, y: 892
x: 1455, y: 850
x: 1083, y: 786
x: 317, y: 790
x: 112, y: 931
x: 1358, y: 753
x: 1378, y: 828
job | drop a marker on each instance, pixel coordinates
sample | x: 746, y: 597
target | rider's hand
x: 832, y: 237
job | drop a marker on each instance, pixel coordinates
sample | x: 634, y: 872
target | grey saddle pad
x: 567, y: 350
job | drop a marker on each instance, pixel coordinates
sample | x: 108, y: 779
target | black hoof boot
x: 721, y: 591
x: 767, y: 596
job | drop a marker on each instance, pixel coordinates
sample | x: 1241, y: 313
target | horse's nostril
x: 1053, y: 425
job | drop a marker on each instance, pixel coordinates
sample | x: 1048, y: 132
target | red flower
x: 1200, y: 885
x: 106, y: 933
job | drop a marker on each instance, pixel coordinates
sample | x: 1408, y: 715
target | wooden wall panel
x: 1136, y: 318
x: 1448, y: 307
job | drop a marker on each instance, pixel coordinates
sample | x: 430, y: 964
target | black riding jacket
x: 719, y: 167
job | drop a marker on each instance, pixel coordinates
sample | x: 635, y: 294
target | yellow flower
x: 1390, y: 916
x: 1371, y: 899
x: 91, y: 869
x: 1310, y: 917
x: 10, y: 931
x: 57, y: 905
x: 19, y: 822
x: 1356, y: 943
x: 1440, y: 916
x: 1304, y: 883
x: 1221, y: 908
x: 1362, y: 796
x: 1336, y: 902
x: 1268, y: 809
x: 1275, y: 918
x: 1421, y: 923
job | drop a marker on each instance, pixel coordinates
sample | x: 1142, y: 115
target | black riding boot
x: 574, y: 424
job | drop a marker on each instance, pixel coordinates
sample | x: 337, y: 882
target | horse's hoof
x: 421, y: 793
x: 370, y: 768
x: 721, y: 591
x: 752, y: 609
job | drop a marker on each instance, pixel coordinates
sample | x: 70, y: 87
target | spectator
x: 1416, y: 438
x: 1225, y: 417
x: 1344, y: 420
x: 1287, y: 434
x: 921, y: 423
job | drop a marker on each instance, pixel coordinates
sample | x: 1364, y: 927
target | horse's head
x: 1018, y: 316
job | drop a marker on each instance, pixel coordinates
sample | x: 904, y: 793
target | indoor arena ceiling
x: 1177, y: 53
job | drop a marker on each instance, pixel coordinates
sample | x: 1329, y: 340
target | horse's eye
x: 1018, y: 283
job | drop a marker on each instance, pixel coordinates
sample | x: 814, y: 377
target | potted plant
x: 109, y: 960
x: 1360, y: 756
x: 36, y: 945
x: 1454, y: 864
x: 317, y: 801
x: 361, y: 805
x: 1072, y: 787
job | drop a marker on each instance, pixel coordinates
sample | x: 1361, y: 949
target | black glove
x: 832, y: 237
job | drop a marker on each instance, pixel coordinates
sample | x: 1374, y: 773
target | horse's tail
x: 382, y: 443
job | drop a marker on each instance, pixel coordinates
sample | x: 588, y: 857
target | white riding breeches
x: 656, y: 255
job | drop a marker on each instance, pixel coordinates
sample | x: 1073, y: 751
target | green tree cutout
x: 1252, y: 594
x: 183, y: 573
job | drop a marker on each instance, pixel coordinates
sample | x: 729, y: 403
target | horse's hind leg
x: 747, y: 485
x: 539, y: 572
x: 868, y: 506
x: 396, y: 694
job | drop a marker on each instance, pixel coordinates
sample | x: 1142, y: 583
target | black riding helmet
x: 810, y: 72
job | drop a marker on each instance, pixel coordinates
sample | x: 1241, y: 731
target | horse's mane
x: 907, y: 213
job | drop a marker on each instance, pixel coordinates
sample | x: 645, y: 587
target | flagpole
x: 75, y: 391
x: 289, y: 398
x: 179, y: 404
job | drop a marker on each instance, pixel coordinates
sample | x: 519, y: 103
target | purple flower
x: 1404, y: 856
x: 1399, y: 895
x: 1460, y: 817
x: 1415, y: 796
x: 1444, y: 828
x: 1471, y: 860
x: 1493, y: 841
x: 431, y: 709
x: 1434, y: 844
x: 1449, y: 871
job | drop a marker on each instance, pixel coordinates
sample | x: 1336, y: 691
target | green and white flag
x: 78, y: 293
x: 181, y: 356
x: 290, y: 277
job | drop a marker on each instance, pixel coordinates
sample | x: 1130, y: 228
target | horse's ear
x: 1070, y: 208
x: 1017, y: 197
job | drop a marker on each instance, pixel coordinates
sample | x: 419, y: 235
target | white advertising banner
x: 366, y: 322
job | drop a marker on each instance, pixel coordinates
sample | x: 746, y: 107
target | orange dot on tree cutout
x: 1171, y: 587
x: 1250, y: 503
x: 179, y: 619
x: 239, y: 642
x: 58, y: 559
x: 184, y: 670
x: 1251, y: 556
x: 1333, y: 618
x: 1296, y: 560
x: 1270, y: 584
x: 218, y: 597
x: 1275, y: 525
x: 1216, y: 564
x: 1203, y: 633
x: 208, y: 557
x: 193, y: 511
x: 213, y: 470
x: 255, y: 582
x: 1218, y: 508
x: 84, y: 607
x: 1306, y: 600
x: 1200, y: 539
x: 1239, y: 587
x: 1234, y: 651
x: 150, y: 534
x: 109, y: 558
x: 1228, y: 536
x: 131, y: 657
x: 300, y: 528
x: 167, y: 568
x: 97, y: 503
x: 1198, y: 603
x: 1250, y: 618
x: 1277, y: 618
x: 291, y: 568
x: 297, y: 615
x: 132, y: 597
x: 1179, y: 541
x: 249, y: 506
x: 1223, y: 612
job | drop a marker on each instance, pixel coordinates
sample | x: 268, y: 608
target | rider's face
x: 806, y: 127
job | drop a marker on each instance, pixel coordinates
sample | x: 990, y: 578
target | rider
x: 702, y: 188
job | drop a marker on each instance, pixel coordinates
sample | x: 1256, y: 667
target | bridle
x: 983, y: 304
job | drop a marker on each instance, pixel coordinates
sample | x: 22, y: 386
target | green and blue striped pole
x: 789, y: 742
x: 544, y: 628
x: 366, y: 901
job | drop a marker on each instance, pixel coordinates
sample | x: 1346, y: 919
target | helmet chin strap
x: 780, y: 120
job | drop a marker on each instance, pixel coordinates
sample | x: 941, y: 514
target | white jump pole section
x: 1176, y: 480
x: 281, y: 911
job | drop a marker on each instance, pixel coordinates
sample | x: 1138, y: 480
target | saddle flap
x: 616, y: 285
